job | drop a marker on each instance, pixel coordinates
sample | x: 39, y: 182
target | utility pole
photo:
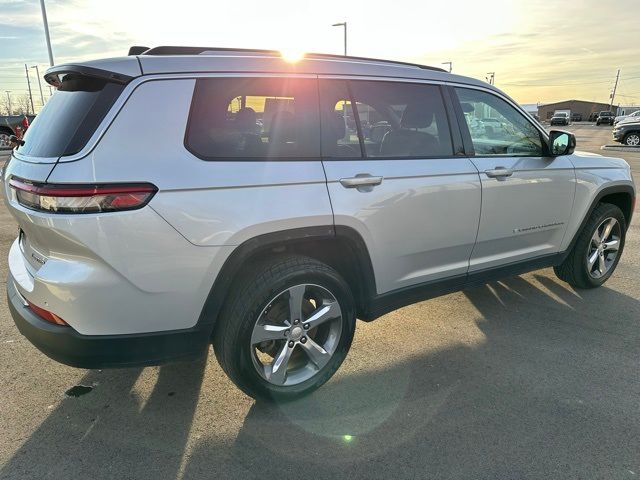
x: 450, y: 65
x: 26, y: 69
x: 39, y: 84
x: 9, y: 101
x: 491, y: 79
x: 615, y: 87
x: 46, y: 31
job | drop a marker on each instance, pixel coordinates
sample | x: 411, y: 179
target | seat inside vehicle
x: 408, y: 140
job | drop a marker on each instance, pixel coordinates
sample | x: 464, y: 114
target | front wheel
x: 286, y: 328
x: 597, y: 250
x: 632, y: 139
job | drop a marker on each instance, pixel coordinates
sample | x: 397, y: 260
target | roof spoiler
x: 137, y: 50
x: 52, y: 76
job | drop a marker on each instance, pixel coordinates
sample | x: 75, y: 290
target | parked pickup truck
x: 13, y: 125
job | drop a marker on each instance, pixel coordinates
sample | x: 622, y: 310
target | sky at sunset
x: 540, y: 51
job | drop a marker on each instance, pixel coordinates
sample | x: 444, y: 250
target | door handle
x: 361, y: 180
x: 498, y: 172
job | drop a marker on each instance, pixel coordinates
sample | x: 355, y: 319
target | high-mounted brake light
x: 68, y: 198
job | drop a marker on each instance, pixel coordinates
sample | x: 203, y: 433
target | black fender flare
x: 627, y: 189
x: 281, y: 239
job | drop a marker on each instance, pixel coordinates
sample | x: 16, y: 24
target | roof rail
x: 177, y: 50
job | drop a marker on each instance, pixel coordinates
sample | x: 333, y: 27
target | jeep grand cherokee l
x: 231, y: 197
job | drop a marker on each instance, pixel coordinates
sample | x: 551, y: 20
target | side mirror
x: 561, y: 143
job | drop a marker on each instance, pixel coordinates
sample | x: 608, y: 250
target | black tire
x: 632, y: 139
x: 4, y: 137
x: 575, y: 270
x: 250, y: 296
x: 597, y: 123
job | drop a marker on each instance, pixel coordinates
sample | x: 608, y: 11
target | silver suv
x: 188, y: 196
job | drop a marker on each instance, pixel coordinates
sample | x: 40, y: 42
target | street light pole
x: 46, y: 31
x: 39, y: 84
x: 450, y: 65
x: 344, y: 104
x: 343, y: 24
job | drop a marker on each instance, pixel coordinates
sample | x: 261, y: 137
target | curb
x: 620, y: 148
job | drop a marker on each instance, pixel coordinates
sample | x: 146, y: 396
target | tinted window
x: 339, y: 129
x: 496, y: 127
x: 402, y: 120
x: 70, y: 117
x: 254, y: 118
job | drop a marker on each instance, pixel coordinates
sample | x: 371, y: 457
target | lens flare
x: 292, y: 55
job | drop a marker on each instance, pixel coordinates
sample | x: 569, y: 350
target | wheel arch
x: 340, y: 247
x: 622, y: 196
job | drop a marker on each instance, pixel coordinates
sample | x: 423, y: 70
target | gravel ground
x: 522, y: 378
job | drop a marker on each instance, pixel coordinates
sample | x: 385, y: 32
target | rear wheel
x: 597, y: 250
x: 4, y: 138
x: 632, y: 139
x: 286, y: 328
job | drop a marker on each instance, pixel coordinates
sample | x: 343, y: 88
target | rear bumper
x: 67, y: 346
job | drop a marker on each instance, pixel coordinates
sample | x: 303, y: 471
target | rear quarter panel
x: 211, y: 203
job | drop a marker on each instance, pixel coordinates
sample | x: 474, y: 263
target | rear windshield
x: 70, y: 117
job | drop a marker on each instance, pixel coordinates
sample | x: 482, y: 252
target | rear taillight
x: 61, y: 198
x: 46, y: 315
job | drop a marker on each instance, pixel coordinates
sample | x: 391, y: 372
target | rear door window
x: 70, y: 117
x: 339, y: 129
x: 402, y: 120
x: 254, y: 118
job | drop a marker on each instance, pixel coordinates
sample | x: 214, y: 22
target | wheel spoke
x: 602, y: 266
x: 596, y: 237
x: 278, y: 370
x: 613, y: 245
x: 318, y: 355
x: 296, y: 296
x: 326, y: 312
x: 592, y: 260
x: 607, y: 229
x: 264, y: 333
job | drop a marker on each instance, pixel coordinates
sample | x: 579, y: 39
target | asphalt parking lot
x: 522, y: 378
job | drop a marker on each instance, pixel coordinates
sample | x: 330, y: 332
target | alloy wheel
x: 603, y: 248
x: 4, y: 140
x: 296, y: 334
x: 633, y: 139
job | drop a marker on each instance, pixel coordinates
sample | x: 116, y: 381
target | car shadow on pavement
x: 541, y: 396
x: 103, y: 435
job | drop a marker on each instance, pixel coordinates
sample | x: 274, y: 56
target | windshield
x: 70, y: 117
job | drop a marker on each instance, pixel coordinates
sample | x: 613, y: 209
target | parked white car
x: 231, y: 197
x: 632, y: 117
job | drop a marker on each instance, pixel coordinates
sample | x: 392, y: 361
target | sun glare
x: 292, y: 55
